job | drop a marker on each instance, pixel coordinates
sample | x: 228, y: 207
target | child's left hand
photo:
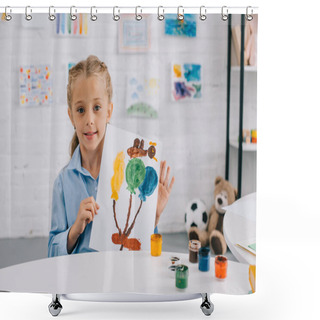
x: 164, y: 189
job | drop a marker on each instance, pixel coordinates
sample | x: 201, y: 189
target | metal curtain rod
x: 127, y: 10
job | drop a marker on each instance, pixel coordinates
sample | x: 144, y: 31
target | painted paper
x: 134, y: 35
x: 127, y: 193
x: 35, y: 85
x: 186, y: 27
x: 142, y: 96
x: 65, y: 26
x: 186, y: 81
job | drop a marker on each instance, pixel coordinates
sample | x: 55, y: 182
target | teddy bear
x: 224, y: 195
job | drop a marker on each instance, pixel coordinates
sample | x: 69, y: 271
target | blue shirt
x: 73, y: 184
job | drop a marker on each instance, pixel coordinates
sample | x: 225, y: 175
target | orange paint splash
x: 131, y: 244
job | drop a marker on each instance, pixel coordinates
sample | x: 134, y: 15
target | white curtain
x: 34, y: 140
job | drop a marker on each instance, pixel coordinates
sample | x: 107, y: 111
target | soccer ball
x: 196, y: 215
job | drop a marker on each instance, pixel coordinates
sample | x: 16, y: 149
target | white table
x: 240, y: 225
x: 119, y: 272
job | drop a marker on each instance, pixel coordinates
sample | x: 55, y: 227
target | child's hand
x: 88, y: 209
x: 164, y: 189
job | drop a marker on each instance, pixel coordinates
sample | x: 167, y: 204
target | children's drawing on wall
x: 35, y: 85
x: 186, y: 27
x: 127, y: 193
x: 65, y: 26
x: 142, y: 96
x: 186, y: 81
x: 134, y: 36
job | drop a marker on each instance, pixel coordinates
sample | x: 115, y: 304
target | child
x: 89, y: 95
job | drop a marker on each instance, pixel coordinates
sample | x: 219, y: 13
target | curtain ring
x: 180, y: 15
x: 8, y: 17
x: 160, y: 16
x: 116, y: 17
x: 51, y: 17
x: 224, y: 13
x: 73, y: 17
x: 28, y: 15
x: 203, y: 16
x: 138, y: 16
x: 93, y: 16
x: 249, y: 17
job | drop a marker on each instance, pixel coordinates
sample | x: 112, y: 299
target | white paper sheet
x: 117, y: 183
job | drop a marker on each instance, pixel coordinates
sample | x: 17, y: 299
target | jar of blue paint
x: 204, y: 259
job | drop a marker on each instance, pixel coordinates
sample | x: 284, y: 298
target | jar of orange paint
x: 156, y: 244
x: 221, y: 266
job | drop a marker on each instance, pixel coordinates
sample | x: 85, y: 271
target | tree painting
x: 145, y: 179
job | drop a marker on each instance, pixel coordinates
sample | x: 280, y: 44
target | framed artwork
x: 142, y: 96
x: 134, y: 36
x: 186, y: 27
x: 66, y: 27
x: 186, y: 81
x: 35, y: 85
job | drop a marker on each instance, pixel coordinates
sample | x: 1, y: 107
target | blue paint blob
x: 134, y: 96
x: 192, y: 72
x: 149, y: 183
x: 58, y: 22
x: 181, y: 90
x: 63, y: 17
x: 133, y: 81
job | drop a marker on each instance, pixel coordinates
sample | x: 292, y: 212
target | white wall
x: 34, y: 141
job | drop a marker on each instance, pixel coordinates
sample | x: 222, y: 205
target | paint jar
x: 194, y: 246
x: 204, y: 259
x: 182, y: 274
x: 221, y: 266
x: 254, y: 136
x: 156, y: 244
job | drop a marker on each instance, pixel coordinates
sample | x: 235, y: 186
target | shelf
x: 245, y: 146
x: 246, y: 68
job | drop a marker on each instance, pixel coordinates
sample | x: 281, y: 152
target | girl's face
x: 90, y: 111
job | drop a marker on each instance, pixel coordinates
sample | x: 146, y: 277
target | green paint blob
x: 135, y: 173
x: 143, y: 110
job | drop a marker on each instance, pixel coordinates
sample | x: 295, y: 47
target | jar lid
x: 221, y: 259
x: 204, y: 251
x: 156, y: 237
x: 194, y: 244
x: 174, y: 259
x: 182, y: 268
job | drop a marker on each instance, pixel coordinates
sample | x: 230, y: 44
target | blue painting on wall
x: 186, y: 27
